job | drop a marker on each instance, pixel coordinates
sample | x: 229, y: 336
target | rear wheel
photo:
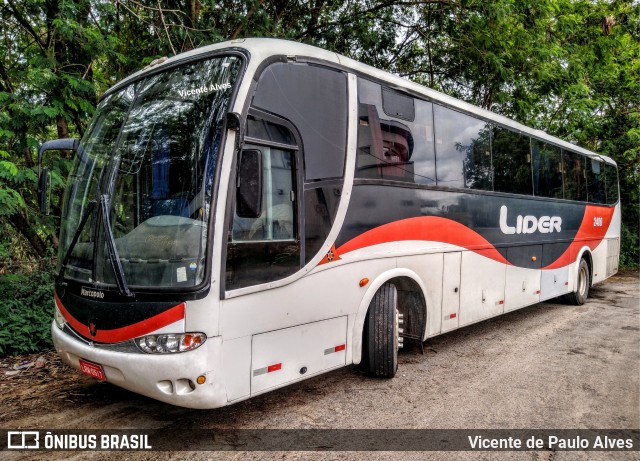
x: 579, y: 296
x: 382, y: 333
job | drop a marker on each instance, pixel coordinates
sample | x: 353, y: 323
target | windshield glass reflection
x: 152, y: 149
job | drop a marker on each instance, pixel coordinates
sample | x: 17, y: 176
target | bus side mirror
x: 43, y: 181
x: 43, y: 173
x: 249, y: 184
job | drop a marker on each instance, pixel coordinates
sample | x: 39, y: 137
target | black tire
x: 579, y: 297
x: 380, y: 335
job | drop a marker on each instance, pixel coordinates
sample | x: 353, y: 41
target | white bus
x: 256, y: 212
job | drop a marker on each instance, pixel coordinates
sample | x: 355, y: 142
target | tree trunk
x: 21, y: 224
x: 63, y: 127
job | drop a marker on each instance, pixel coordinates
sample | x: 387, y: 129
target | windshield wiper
x: 113, y: 251
x: 111, y: 246
x: 90, y: 207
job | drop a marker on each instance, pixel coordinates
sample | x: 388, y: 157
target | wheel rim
x: 398, y: 330
x: 582, y: 281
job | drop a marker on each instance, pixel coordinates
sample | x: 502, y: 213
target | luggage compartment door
x: 451, y: 291
x: 523, y: 276
x: 284, y: 356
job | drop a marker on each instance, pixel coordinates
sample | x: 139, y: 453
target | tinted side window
x: 511, y: 162
x: 321, y: 204
x: 547, y: 169
x: 276, y: 222
x: 424, y: 153
x: 269, y: 131
x: 463, y: 150
x: 314, y: 99
x: 384, y: 147
x: 595, y: 181
x: 611, y: 178
x: 575, y: 184
x: 390, y: 147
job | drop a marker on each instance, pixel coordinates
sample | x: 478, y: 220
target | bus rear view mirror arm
x: 57, y: 144
x: 43, y: 182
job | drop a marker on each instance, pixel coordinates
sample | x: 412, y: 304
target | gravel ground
x: 546, y: 366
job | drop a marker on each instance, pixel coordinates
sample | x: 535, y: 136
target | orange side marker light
x: 363, y: 282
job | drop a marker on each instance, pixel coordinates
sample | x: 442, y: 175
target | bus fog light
x: 168, y: 343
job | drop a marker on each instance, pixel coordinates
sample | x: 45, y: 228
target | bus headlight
x: 172, y: 342
x: 57, y: 316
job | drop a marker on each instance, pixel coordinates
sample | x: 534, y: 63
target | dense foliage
x: 26, y: 311
x: 569, y: 67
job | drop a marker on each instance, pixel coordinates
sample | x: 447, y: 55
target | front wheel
x: 579, y: 296
x: 382, y: 333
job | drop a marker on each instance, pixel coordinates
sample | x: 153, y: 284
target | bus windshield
x: 143, y: 178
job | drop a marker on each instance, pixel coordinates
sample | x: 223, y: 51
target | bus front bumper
x: 170, y: 378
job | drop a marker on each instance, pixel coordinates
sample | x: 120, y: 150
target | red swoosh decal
x: 430, y: 228
x: 588, y: 234
x: 434, y: 228
x: 117, y: 335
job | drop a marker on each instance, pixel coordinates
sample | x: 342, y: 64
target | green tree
x: 47, y: 90
x: 569, y: 67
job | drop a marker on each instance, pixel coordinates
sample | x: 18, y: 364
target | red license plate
x: 92, y: 369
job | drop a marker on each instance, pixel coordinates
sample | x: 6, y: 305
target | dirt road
x: 546, y: 366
